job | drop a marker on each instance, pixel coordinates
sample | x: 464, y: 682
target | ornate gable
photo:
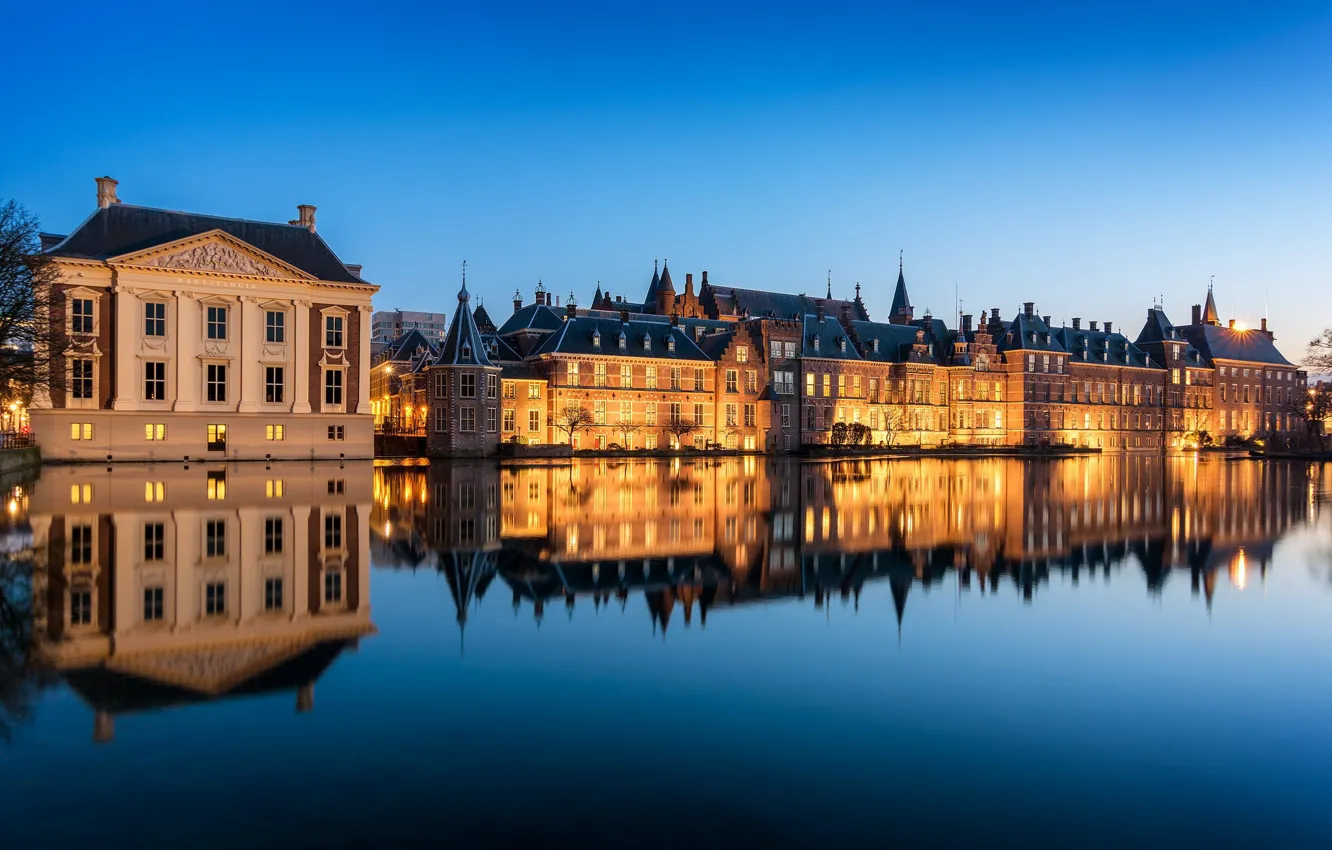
x: 216, y: 252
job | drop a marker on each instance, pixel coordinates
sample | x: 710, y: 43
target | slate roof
x: 651, y: 297
x: 464, y: 345
x: 499, y: 348
x: 1209, y: 315
x: 760, y: 303
x: 576, y: 337
x: 482, y: 319
x: 1158, y: 329
x: 405, y: 347
x: 126, y: 228
x: 1088, y: 346
x: 1029, y: 333
x: 830, y: 335
x: 535, y: 317
x: 519, y: 372
x: 895, y: 341
x: 714, y: 345
x: 1221, y: 343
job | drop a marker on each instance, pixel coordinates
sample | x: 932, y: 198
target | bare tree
x: 627, y: 428
x: 679, y: 429
x: 27, y: 278
x: 894, y: 423
x: 1319, y: 356
x: 1314, y: 408
x: 571, y: 419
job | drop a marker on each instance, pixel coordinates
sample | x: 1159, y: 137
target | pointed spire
x: 901, y: 312
x: 829, y: 296
x: 1210, y: 316
x: 651, y: 298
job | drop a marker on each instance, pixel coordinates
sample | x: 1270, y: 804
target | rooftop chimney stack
x: 689, y: 284
x: 1077, y: 323
x: 1108, y: 327
x: 821, y: 312
x: 1091, y: 325
x: 106, y: 192
x: 1029, y: 308
x: 704, y: 282
x: 1197, y: 314
x: 966, y: 323
x: 305, y: 216
x: 1046, y: 319
x: 1232, y: 324
x: 1264, y: 325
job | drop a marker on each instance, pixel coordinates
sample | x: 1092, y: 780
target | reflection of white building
x: 183, y: 335
x: 171, y: 584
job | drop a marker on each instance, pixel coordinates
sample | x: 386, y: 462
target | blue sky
x: 1087, y: 156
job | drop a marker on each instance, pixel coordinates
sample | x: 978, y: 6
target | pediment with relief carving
x: 215, y: 252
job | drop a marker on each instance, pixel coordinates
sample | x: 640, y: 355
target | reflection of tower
x: 900, y: 586
x: 468, y: 575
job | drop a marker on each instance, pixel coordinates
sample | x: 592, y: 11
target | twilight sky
x: 1088, y: 156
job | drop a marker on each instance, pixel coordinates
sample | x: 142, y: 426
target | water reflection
x: 714, y: 534
x: 155, y: 586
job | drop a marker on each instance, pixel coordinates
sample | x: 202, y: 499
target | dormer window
x: 875, y: 345
x: 698, y: 333
x: 624, y: 342
x: 596, y: 339
x: 670, y: 343
x: 647, y: 342
x: 816, y: 343
x: 842, y: 344
x: 466, y: 351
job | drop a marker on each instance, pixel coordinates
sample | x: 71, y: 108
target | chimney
x: 675, y: 320
x: 821, y: 311
x: 1232, y: 324
x: 570, y: 309
x: 1109, y: 327
x: 517, y: 301
x: 305, y: 217
x: 689, y: 284
x: 1264, y: 324
x: 1029, y: 308
x: 1046, y: 319
x: 624, y: 316
x: 966, y: 322
x: 1197, y: 314
x: 1077, y: 323
x: 106, y: 192
x: 704, y: 282
x: 557, y: 300
x: 1091, y: 325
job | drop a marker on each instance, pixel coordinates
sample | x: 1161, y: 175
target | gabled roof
x: 1217, y: 342
x: 126, y: 228
x: 533, y: 317
x: 405, y: 347
x: 833, y: 342
x: 1088, y: 346
x: 759, y: 303
x: 482, y: 319
x: 894, y: 341
x: 714, y: 345
x: 464, y: 345
x: 1028, y: 333
x: 1158, y: 330
x: 578, y: 334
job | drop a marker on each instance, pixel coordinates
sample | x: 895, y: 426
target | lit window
x: 154, y: 431
x: 80, y: 494
x: 80, y: 431
x: 154, y: 491
x: 217, y: 484
x: 273, y: 488
x: 217, y: 438
x: 275, y: 432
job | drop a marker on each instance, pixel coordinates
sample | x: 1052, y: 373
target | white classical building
x: 182, y: 335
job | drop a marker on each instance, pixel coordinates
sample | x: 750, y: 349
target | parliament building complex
x: 765, y: 371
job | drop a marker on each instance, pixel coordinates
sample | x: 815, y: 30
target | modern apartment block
x: 184, y: 335
x: 387, y: 326
x: 768, y: 371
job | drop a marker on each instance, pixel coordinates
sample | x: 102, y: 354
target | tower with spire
x: 464, y: 389
x: 901, y: 313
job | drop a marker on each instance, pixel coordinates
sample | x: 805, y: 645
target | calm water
x: 749, y: 653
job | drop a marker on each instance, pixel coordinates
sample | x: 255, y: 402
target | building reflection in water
x: 162, y: 585
x: 715, y: 533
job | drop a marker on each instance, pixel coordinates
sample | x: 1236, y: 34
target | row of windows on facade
x: 215, y: 382
x: 155, y: 491
x: 214, y: 603
x: 82, y: 321
x: 216, y: 434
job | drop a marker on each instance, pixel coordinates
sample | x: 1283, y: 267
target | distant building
x: 756, y: 370
x: 387, y: 326
x: 186, y: 335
